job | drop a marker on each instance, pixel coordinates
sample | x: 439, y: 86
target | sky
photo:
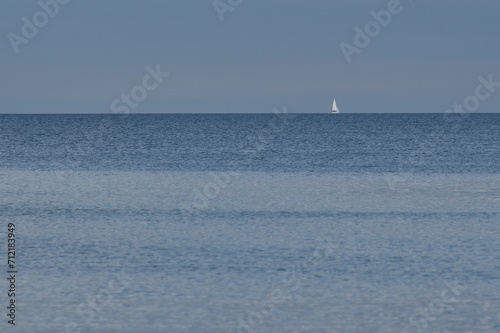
x: 247, y: 56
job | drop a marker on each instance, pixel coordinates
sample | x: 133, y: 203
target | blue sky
x: 264, y: 54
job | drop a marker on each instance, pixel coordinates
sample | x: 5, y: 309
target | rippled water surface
x: 253, y: 223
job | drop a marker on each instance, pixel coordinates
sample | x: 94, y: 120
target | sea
x: 276, y: 222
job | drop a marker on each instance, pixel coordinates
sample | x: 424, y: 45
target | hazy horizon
x: 424, y: 58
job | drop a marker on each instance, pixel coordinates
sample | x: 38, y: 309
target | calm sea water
x: 253, y: 223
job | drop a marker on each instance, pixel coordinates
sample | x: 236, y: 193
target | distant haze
x: 86, y: 55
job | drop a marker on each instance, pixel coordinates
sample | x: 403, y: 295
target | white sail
x: 335, y: 109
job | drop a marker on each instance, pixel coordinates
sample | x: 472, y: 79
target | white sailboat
x: 335, y: 109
